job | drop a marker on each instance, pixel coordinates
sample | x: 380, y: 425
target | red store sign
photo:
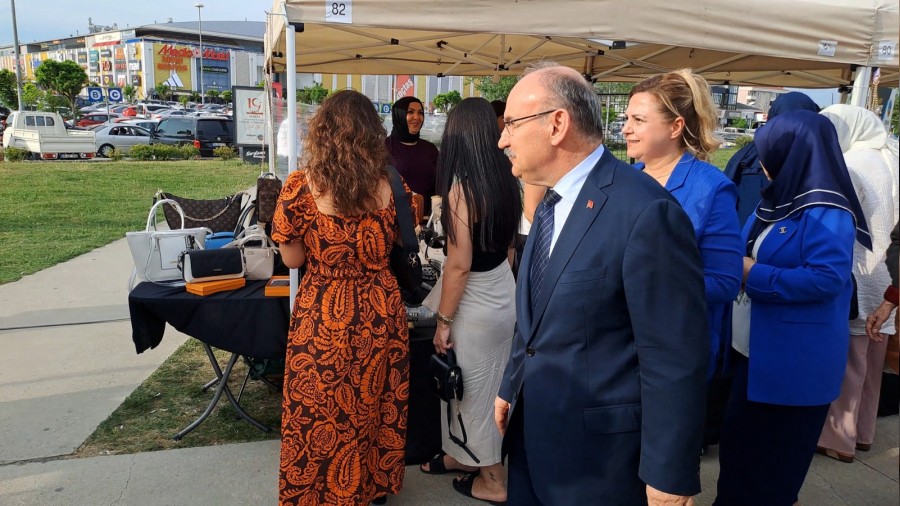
x: 209, y: 53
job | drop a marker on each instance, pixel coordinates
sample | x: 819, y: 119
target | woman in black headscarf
x: 414, y: 158
x: 791, y: 332
x: 743, y: 168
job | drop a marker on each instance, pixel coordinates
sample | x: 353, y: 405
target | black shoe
x: 380, y: 500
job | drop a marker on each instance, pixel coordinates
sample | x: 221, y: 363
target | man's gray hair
x: 574, y: 94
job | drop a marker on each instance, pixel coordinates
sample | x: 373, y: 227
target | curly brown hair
x: 345, y: 155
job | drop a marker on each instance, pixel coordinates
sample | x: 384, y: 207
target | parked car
x: 119, y: 137
x: 96, y: 118
x: 205, y: 134
x: 146, y: 124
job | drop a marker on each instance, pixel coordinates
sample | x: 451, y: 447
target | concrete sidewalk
x: 68, y: 362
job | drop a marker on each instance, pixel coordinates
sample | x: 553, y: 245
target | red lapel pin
x: 590, y: 204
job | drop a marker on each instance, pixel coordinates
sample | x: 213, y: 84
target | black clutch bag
x: 211, y: 264
x: 448, y: 381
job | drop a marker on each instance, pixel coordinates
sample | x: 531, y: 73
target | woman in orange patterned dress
x: 343, y: 427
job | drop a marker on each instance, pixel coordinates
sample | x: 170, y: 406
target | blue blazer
x: 800, y: 291
x: 611, y: 361
x: 709, y: 199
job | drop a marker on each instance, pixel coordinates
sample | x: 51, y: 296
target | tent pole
x: 291, y: 72
x: 861, y: 86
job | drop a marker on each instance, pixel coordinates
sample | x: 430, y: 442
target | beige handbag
x: 259, y: 252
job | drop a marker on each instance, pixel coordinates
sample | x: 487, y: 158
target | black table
x: 243, y: 322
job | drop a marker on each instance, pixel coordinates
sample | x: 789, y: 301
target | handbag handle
x: 151, y: 218
x: 267, y: 175
x: 404, y: 213
x: 239, y: 242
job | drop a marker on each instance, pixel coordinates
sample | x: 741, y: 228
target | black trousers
x: 765, y: 449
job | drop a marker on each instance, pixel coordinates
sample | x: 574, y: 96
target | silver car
x: 119, y: 137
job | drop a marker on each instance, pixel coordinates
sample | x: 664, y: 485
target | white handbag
x: 155, y: 252
x: 259, y: 261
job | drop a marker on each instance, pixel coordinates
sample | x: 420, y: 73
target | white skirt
x: 481, y: 333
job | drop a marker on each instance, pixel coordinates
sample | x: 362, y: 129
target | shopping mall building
x: 160, y: 53
x: 232, y: 56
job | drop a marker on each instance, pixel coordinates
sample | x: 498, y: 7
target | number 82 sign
x: 339, y: 12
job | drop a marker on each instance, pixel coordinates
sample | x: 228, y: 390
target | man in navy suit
x: 604, y: 392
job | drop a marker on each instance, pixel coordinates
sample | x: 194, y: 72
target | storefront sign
x: 107, y: 37
x: 215, y: 70
x: 172, y: 65
x: 105, y: 53
x: 405, y: 87
x: 95, y: 55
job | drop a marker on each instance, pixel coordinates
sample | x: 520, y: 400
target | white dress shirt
x: 568, y: 188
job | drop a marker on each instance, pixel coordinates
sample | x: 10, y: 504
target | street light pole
x: 16, y: 52
x: 200, y: 33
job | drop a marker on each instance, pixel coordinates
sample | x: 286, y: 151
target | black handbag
x: 404, y: 260
x: 211, y: 264
x: 448, y: 385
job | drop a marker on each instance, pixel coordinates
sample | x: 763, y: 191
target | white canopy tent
x: 804, y: 43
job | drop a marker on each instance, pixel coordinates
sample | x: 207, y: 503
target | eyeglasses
x: 510, y: 124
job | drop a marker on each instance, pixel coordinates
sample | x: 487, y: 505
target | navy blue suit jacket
x: 612, y: 359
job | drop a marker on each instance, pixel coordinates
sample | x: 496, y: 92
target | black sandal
x: 436, y: 465
x: 464, y: 486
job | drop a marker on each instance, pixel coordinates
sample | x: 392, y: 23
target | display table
x: 243, y: 322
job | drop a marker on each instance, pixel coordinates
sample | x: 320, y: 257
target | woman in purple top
x: 414, y: 158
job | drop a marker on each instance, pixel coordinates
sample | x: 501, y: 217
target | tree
x: 65, y: 79
x: 9, y: 96
x: 212, y: 95
x: 613, y: 88
x: 33, y: 98
x: 183, y: 100
x: 445, y: 101
x: 226, y: 96
x: 163, y: 90
x: 491, y: 90
x: 895, y: 118
x: 130, y: 93
x: 313, y: 95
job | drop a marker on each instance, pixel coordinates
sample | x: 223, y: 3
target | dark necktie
x: 543, y: 221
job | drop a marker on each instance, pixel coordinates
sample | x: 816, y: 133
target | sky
x: 40, y: 20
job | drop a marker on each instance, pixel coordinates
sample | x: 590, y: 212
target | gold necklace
x: 662, y: 176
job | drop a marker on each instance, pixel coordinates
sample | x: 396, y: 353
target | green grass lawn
x: 51, y: 212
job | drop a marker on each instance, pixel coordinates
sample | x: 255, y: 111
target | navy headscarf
x: 801, y: 152
x: 400, y: 130
x: 746, y: 160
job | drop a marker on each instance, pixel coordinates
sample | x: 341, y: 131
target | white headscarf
x: 859, y: 128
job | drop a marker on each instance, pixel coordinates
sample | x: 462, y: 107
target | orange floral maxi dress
x: 343, y: 422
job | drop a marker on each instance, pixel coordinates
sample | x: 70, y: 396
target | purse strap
x: 451, y: 361
x: 404, y: 212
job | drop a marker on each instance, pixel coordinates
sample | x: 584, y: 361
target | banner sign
x: 250, y: 128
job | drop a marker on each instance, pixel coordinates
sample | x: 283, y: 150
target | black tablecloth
x: 241, y: 321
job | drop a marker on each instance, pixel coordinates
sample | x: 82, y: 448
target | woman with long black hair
x: 475, y: 298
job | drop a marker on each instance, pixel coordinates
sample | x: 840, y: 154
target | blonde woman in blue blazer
x: 790, y: 364
x: 670, y: 130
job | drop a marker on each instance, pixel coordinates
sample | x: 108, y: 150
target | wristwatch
x: 446, y: 320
